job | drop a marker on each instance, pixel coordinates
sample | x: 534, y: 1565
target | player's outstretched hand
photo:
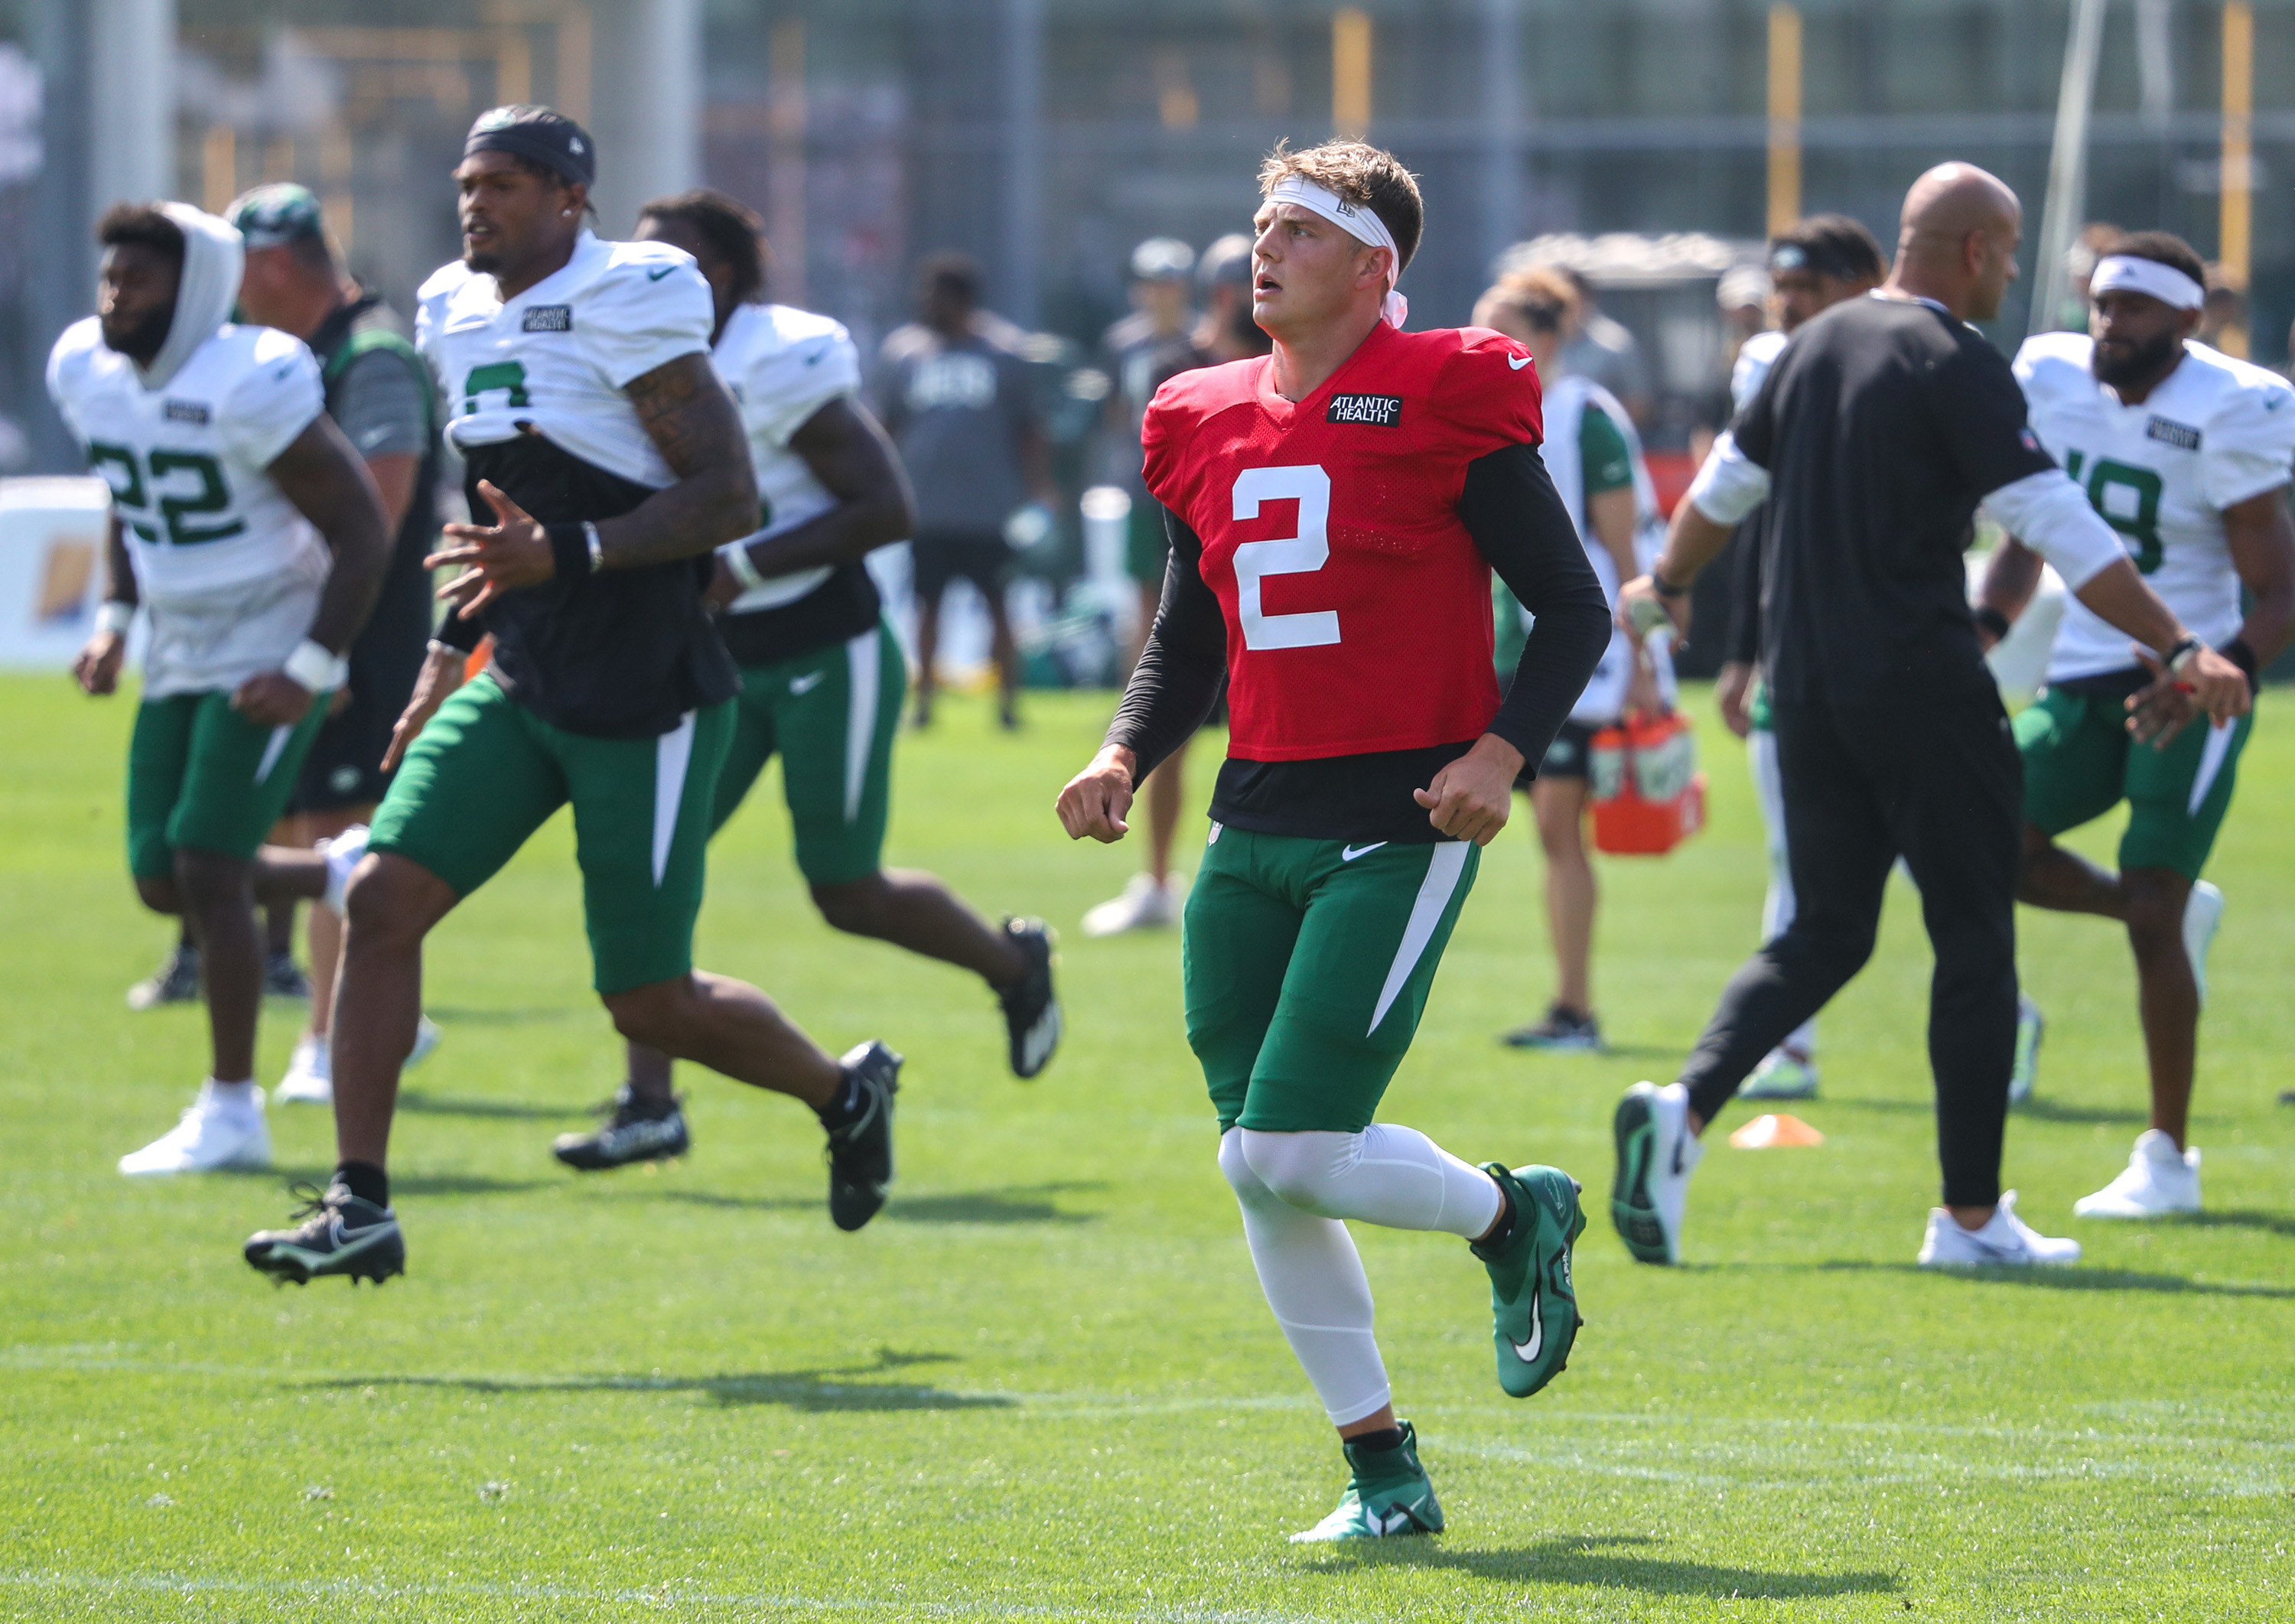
x: 441, y: 675
x: 96, y: 668
x: 271, y: 699
x: 1095, y: 799
x: 493, y: 558
x: 1472, y: 798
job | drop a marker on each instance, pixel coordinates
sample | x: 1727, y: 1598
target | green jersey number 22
x: 190, y: 486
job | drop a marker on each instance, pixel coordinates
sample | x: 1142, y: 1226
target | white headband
x: 1363, y: 224
x: 2163, y: 282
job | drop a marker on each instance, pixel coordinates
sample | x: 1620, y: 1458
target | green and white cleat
x: 1781, y: 1074
x: 1533, y: 1302
x: 1656, y: 1155
x: 1388, y: 1493
x: 2024, y: 1069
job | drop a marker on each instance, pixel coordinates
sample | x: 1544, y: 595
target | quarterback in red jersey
x: 1335, y: 510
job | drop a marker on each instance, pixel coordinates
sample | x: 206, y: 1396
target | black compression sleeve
x: 1176, y: 681
x: 1510, y: 507
x: 1745, y: 645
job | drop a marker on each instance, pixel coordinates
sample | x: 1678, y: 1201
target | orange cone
x: 1769, y: 1132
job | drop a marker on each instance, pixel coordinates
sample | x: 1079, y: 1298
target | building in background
x: 1046, y: 137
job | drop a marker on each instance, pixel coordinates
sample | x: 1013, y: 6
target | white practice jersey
x: 783, y: 365
x: 556, y: 358
x: 229, y: 569
x: 2215, y: 432
x: 1755, y: 356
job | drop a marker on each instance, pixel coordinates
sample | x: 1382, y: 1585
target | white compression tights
x: 1294, y: 1188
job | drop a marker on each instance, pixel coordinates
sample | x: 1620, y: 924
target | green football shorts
x: 2079, y: 763
x: 831, y: 715
x: 203, y: 776
x: 487, y: 772
x: 1307, y: 964
x: 1146, y: 545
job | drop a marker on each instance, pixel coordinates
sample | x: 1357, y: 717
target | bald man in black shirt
x: 1879, y: 430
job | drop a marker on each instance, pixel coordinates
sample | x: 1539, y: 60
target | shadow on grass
x: 454, y: 1015
x: 830, y: 1388
x: 443, y: 1104
x: 2041, y: 1108
x: 1608, y: 1560
x: 2235, y: 1217
x: 1026, y: 1204
x: 411, y: 1184
x: 2076, y: 1278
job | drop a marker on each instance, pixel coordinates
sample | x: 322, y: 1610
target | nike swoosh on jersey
x: 1349, y: 853
x: 658, y: 275
x: 1518, y: 362
x: 806, y: 683
x: 1528, y: 1351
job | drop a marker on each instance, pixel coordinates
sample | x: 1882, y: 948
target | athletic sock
x: 236, y: 1097
x: 846, y: 1106
x: 1377, y: 1443
x: 1509, y: 1215
x: 364, y: 1180
x: 1387, y: 1174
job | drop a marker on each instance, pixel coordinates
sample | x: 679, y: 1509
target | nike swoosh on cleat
x: 1528, y: 1352
x: 806, y: 683
x: 1349, y: 853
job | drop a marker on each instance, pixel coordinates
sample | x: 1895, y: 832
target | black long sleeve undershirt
x: 1520, y: 526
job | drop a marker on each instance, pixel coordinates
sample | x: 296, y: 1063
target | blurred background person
x: 1605, y: 351
x: 1595, y: 460
x: 954, y: 393
x: 2222, y: 319
x: 1743, y: 298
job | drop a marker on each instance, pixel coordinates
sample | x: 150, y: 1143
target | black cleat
x: 632, y: 1131
x: 283, y: 979
x: 340, y: 1235
x: 176, y: 981
x: 861, y: 1152
x: 1031, y: 1007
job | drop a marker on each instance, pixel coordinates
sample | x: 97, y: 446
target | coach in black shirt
x: 1880, y: 429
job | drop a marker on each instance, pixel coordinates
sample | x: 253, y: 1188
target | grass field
x: 1043, y: 1384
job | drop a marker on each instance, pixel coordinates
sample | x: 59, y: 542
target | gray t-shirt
x: 378, y: 405
x: 956, y: 409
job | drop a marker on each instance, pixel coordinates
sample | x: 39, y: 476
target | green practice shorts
x: 1146, y: 545
x: 487, y: 772
x: 831, y: 715
x: 203, y: 776
x: 1307, y: 964
x: 2079, y: 763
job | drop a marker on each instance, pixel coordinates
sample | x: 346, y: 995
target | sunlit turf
x: 1043, y: 1384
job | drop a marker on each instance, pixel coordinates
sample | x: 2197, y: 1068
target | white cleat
x: 1656, y: 1155
x: 2005, y: 1242
x: 342, y: 854
x: 2159, y: 1180
x: 2024, y: 1070
x: 310, y: 1079
x: 1782, y: 1075
x: 1144, y: 905
x: 2202, y: 912
x: 425, y: 1042
x: 218, y: 1131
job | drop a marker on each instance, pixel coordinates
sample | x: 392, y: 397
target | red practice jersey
x: 1358, y: 607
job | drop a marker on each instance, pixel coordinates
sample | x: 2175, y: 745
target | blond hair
x: 1363, y: 175
x: 1539, y: 297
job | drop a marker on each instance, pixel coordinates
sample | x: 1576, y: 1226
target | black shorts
x: 345, y: 766
x: 979, y: 556
x: 1569, y: 756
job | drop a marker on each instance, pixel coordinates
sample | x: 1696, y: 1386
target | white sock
x: 1314, y: 1282
x: 232, y: 1096
x: 1386, y: 1175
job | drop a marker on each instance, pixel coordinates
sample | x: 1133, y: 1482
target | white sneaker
x: 1782, y: 1075
x: 2202, y: 912
x: 1144, y: 905
x: 1656, y: 1155
x: 425, y: 1042
x: 218, y: 1131
x: 342, y: 854
x: 2024, y: 1070
x: 2157, y: 1179
x: 310, y: 1079
x: 2005, y: 1241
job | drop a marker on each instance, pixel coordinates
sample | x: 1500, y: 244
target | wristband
x: 314, y: 670
x: 115, y: 618
x: 737, y: 558
x: 569, y: 550
x: 1990, y: 619
x: 2239, y: 655
x: 1664, y: 588
x: 2186, y: 650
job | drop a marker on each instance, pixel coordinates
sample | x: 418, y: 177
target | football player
x: 593, y: 429
x: 246, y: 524
x: 822, y: 675
x: 2186, y: 452
x: 1336, y: 510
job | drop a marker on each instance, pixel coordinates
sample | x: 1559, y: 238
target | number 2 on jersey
x: 1292, y: 555
x: 2138, y: 487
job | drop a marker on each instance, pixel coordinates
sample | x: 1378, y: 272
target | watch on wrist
x: 1664, y: 588
x: 2178, y: 659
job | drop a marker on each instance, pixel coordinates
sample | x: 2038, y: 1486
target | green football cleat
x: 1388, y: 1492
x: 1533, y: 1302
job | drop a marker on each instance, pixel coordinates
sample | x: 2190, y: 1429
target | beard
x: 2135, y: 363
x: 143, y: 341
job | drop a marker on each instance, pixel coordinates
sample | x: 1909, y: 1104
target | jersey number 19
x: 2128, y: 498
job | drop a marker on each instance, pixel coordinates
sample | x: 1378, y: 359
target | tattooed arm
x: 714, y: 500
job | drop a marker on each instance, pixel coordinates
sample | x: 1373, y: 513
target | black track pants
x: 1935, y: 777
